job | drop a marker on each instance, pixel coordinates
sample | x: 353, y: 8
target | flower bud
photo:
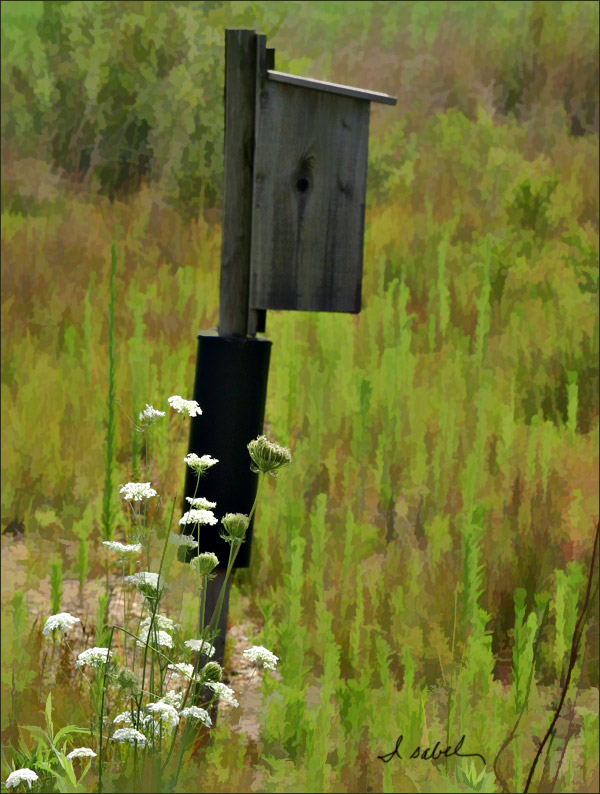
x: 128, y: 681
x: 205, y: 563
x: 212, y: 671
x: 235, y: 526
x: 267, y: 457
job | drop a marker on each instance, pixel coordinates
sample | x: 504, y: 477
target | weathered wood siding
x: 310, y: 169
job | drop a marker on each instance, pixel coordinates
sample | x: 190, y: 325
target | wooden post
x: 235, y: 318
x: 240, y: 86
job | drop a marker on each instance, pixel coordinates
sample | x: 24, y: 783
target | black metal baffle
x: 231, y: 390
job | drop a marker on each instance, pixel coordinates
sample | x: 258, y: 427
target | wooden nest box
x: 309, y: 179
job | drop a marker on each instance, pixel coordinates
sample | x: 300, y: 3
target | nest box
x: 309, y: 179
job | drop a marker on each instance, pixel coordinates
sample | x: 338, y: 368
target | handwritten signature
x: 429, y: 754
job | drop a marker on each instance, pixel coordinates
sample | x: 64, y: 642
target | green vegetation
x: 444, y: 440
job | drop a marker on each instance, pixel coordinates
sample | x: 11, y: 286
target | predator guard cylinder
x: 231, y: 390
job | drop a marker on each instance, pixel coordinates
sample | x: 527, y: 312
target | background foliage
x: 445, y: 440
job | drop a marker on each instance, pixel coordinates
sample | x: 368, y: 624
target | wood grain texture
x: 265, y: 58
x: 240, y: 86
x: 310, y: 169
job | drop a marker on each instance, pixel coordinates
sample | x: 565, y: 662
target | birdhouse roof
x: 332, y: 88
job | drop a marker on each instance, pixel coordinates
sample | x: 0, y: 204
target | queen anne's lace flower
x: 198, y: 517
x: 147, y: 583
x: 223, y: 691
x: 63, y: 621
x: 137, y: 491
x: 199, y: 502
x: 212, y: 671
x: 125, y: 718
x: 149, y: 415
x: 129, y: 735
x: 235, y: 526
x: 128, y: 680
x: 173, y: 698
x: 161, y: 622
x: 205, y: 563
x: 181, y: 669
x: 167, y: 713
x: 96, y: 657
x: 149, y: 726
x: 21, y: 776
x: 81, y: 752
x: 198, y: 645
x: 196, y: 713
x: 124, y: 550
x: 199, y: 465
x: 267, y: 457
x: 185, y: 406
x: 259, y: 655
x: 183, y: 540
x: 160, y: 638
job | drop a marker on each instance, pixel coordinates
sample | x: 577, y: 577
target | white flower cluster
x: 161, y: 622
x: 147, y: 725
x: 259, y: 655
x: 124, y: 717
x: 197, y: 713
x: 21, y: 776
x: 200, y: 502
x: 149, y: 415
x: 183, y: 540
x: 157, y: 636
x: 81, y: 752
x: 63, y: 621
x: 223, y: 691
x: 198, y: 645
x: 147, y: 583
x: 129, y: 735
x: 137, y: 491
x: 96, y: 657
x: 173, y: 698
x: 182, y: 406
x: 167, y: 714
x: 160, y: 716
x: 124, y: 550
x: 199, y: 517
x: 199, y: 465
x: 181, y: 669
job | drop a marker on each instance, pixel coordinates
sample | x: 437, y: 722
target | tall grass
x: 108, y: 509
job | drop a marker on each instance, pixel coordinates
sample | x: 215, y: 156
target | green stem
x: 89, y: 683
x: 135, y: 749
x: 155, y: 650
x: 235, y: 547
x: 153, y: 615
x: 101, y: 732
x: 233, y: 552
x: 204, y: 585
x: 155, y: 603
x: 136, y: 635
x: 124, y: 610
x: 166, y: 473
x: 182, y: 746
x: 248, y: 682
x: 107, y: 564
